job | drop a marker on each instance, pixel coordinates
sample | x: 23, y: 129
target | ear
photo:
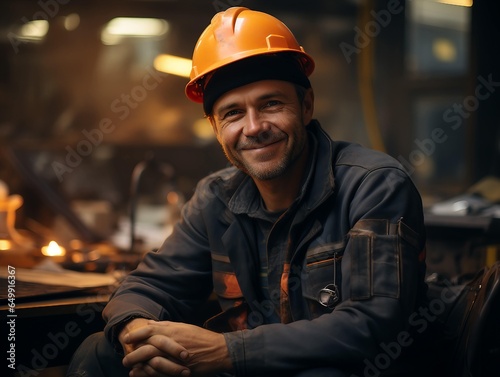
x: 308, y: 106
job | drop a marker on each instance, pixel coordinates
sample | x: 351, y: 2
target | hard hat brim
x: 194, y: 88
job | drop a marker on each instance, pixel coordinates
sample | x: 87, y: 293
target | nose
x: 255, y: 125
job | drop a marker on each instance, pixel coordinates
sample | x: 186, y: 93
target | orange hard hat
x: 236, y: 34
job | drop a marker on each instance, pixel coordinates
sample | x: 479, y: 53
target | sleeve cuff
x: 236, y: 346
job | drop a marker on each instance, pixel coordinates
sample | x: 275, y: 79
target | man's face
x: 261, y: 127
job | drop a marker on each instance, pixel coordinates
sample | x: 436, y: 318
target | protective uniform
x: 355, y: 232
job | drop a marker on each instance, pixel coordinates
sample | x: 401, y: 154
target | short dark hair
x: 282, y: 66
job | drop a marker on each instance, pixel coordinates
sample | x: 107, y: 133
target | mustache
x: 261, y: 140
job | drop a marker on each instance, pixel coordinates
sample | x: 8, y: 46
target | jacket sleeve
x: 382, y: 277
x: 171, y: 283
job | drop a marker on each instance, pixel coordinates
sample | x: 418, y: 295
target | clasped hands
x: 162, y: 349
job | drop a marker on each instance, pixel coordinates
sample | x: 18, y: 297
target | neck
x: 279, y: 193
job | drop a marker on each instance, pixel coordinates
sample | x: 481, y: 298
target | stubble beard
x: 266, y: 173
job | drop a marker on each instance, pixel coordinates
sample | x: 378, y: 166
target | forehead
x: 256, y: 90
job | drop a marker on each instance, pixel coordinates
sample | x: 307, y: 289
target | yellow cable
x: 491, y: 254
x: 365, y: 80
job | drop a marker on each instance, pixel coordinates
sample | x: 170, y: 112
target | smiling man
x: 261, y: 128
x: 314, y: 248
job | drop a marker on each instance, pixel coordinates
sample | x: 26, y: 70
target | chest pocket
x: 379, y: 250
x: 322, y: 270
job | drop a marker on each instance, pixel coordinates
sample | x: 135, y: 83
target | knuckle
x: 155, y: 362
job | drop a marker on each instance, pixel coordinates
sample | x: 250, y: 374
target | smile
x: 262, y: 147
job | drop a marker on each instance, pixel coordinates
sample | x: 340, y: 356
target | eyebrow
x: 264, y: 96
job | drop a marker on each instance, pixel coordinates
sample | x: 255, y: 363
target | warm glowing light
x: 444, y: 50
x: 462, y: 3
x: 4, y: 190
x: 174, y: 65
x: 71, y: 21
x: 34, y: 30
x: 53, y: 250
x: 120, y: 27
x: 203, y: 129
x: 173, y: 197
x: 5, y: 245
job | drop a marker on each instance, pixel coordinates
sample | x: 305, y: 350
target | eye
x: 231, y: 113
x: 272, y: 103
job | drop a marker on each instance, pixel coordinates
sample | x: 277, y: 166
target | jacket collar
x: 322, y: 183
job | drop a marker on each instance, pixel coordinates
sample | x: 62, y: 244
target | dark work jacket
x: 357, y: 225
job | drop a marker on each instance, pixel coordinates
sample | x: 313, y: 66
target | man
x: 314, y: 248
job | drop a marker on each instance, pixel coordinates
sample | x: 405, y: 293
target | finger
x: 159, y: 346
x: 139, y: 335
x: 169, y: 346
x: 140, y: 371
x: 140, y: 355
x: 127, y: 348
x: 153, y: 327
x: 161, y: 366
x: 153, y: 335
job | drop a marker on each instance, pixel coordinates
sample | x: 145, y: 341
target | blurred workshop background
x: 100, y: 148
x: 100, y: 143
